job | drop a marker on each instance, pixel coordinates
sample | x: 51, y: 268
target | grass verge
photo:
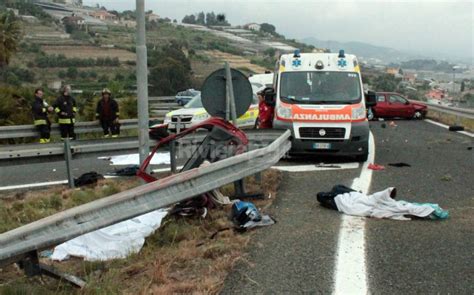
x: 185, y: 255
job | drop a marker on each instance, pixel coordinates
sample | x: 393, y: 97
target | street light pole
x: 142, y: 83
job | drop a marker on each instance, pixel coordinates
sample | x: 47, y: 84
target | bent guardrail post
x: 68, y: 224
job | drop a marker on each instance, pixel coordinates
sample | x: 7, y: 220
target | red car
x: 391, y: 105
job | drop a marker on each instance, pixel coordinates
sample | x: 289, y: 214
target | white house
x: 253, y: 26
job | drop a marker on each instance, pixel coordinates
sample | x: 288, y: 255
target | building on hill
x: 73, y: 20
x: 438, y: 94
x: 151, y: 17
x: 252, y: 26
x: 103, y: 15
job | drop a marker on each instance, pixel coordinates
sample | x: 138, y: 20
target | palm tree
x: 10, y: 35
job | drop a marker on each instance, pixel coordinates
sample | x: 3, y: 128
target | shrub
x: 72, y: 73
x: 128, y: 108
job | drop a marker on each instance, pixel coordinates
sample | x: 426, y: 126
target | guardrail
x: 159, y: 106
x: 45, y: 152
x: 22, y: 131
x: 66, y: 225
x: 468, y: 113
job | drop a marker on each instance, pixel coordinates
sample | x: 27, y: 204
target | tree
x: 270, y: 52
x: 72, y: 73
x: 169, y: 77
x: 210, y: 19
x: 201, y: 19
x: 268, y: 28
x: 221, y: 20
x: 189, y: 19
x: 10, y: 35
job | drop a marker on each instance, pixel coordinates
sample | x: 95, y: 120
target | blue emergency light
x: 297, y: 53
x: 341, y: 53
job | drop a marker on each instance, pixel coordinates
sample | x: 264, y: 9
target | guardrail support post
x: 173, y: 143
x: 68, y: 158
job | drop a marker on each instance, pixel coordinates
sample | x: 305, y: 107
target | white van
x: 320, y: 98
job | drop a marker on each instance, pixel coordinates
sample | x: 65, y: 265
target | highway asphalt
x: 297, y: 254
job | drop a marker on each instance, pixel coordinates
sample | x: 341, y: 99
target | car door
x: 249, y: 118
x: 381, y: 109
x: 400, y: 107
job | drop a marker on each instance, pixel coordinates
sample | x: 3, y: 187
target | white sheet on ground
x: 134, y: 159
x: 112, y: 242
x: 379, y: 205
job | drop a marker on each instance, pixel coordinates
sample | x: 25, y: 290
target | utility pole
x: 142, y: 83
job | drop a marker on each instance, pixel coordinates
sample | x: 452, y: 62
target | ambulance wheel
x: 362, y: 158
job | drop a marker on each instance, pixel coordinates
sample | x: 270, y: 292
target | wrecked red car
x: 394, y: 105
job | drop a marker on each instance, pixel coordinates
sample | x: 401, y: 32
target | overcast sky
x: 445, y: 27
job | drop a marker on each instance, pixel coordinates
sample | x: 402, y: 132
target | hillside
x: 365, y: 51
x: 90, y: 60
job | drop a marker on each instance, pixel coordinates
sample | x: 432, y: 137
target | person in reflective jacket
x: 108, y: 114
x: 40, y: 109
x: 66, y: 109
x: 265, y: 111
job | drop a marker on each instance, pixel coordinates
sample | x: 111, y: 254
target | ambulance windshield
x: 320, y: 87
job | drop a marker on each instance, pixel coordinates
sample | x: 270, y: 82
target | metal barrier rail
x: 66, y: 225
x: 467, y: 113
x: 154, y: 99
x: 44, y: 152
x: 22, y: 131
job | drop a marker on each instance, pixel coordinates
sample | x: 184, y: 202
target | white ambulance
x: 320, y: 98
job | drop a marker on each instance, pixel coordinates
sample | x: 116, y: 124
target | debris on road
x: 126, y: 171
x: 88, y: 179
x: 133, y: 159
x: 456, y: 128
x: 383, y: 125
x: 246, y: 216
x: 392, y: 124
x: 400, y: 164
x: 112, y: 242
x: 378, y: 205
x: 375, y: 167
x: 446, y: 177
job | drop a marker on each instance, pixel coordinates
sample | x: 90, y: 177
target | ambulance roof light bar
x: 297, y: 53
x: 341, y: 53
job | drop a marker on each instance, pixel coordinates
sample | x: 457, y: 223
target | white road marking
x: 314, y: 167
x: 447, y: 127
x: 351, y: 269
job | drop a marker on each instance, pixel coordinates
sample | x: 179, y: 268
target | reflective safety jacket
x: 265, y: 115
x: 40, y: 112
x: 66, y: 109
x: 107, y: 111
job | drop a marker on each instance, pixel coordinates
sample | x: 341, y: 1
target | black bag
x: 128, y: 171
x: 87, y: 179
x: 326, y: 199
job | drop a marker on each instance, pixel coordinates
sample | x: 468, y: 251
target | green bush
x: 128, y: 108
x: 59, y: 60
x: 15, y: 106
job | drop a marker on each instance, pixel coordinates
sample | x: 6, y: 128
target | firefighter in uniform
x: 40, y: 110
x: 107, y: 113
x: 66, y: 109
